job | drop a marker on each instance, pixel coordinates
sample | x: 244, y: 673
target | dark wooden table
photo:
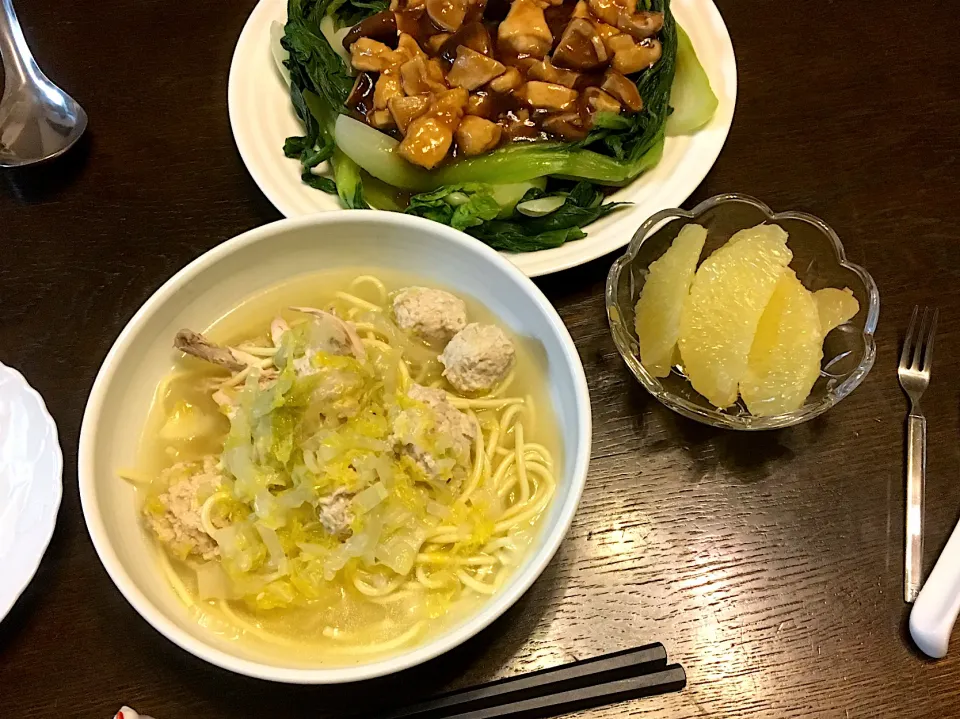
x: 770, y: 566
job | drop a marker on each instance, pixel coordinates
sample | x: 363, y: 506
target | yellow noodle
x: 464, y: 403
x: 520, y: 461
x: 369, y: 590
x: 476, y: 560
x: 134, y: 476
x: 205, y: 521
x: 478, y: 461
x: 377, y: 285
x: 502, y: 387
x: 370, y: 327
x: 257, y: 629
x: 363, y: 304
x: 178, y: 586
x: 429, y: 582
x: 475, y: 584
x: 379, y: 647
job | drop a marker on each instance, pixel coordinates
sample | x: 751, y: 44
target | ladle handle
x: 18, y: 63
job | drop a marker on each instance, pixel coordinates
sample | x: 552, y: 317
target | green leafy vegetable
x: 460, y: 206
x: 691, y: 96
x: 583, y: 205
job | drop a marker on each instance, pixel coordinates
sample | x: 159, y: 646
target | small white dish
x: 216, y: 283
x: 262, y: 117
x: 31, y: 484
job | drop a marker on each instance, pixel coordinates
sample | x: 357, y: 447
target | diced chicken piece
x: 451, y: 430
x: 471, y: 69
x: 548, y: 72
x: 407, y: 47
x: 637, y: 58
x: 388, y: 86
x: 407, y: 109
x: 179, y: 526
x: 547, y: 95
x: 432, y: 315
x: 610, y: 10
x: 335, y: 515
x: 447, y: 14
x: 566, y: 125
x: 622, y: 89
x: 435, y: 42
x: 371, y: 55
x: 597, y: 100
x: 450, y: 420
x: 605, y: 31
x: 619, y: 42
x: 381, y: 119
x: 427, y: 142
x: 449, y: 106
x: 581, y: 10
x: 195, y: 344
x: 419, y: 76
x: 478, y: 358
x: 580, y: 47
x: 477, y: 135
x: 278, y: 328
x: 333, y: 335
x: 641, y: 25
x: 525, y: 30
x: 510, y: 80
x: 480, y: 104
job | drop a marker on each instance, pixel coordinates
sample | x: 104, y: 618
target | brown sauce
x: 479, y: 32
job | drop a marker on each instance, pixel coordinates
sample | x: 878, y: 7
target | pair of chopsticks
x: 628, y: 674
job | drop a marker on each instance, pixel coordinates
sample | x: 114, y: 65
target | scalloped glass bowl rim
x: 715, y: 417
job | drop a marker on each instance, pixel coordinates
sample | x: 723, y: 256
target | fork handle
x: 916, y: 470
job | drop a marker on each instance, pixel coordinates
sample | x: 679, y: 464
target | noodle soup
x: 347, y: 464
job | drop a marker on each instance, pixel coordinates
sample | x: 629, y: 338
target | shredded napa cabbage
x: 330, y: 466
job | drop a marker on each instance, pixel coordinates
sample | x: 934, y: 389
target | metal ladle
x: 38, y: 120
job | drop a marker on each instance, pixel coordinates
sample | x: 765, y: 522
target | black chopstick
x: 566, y: 678
x: 670, y: 679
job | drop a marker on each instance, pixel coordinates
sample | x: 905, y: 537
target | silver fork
x: 914, y: 375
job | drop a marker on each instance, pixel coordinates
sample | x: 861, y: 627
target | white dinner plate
x: 31, y: 469
x: 262, y: 118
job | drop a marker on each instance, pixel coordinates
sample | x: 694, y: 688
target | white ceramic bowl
x: 214, y: 284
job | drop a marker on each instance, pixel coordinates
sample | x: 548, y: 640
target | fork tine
x: 928, y: 343
x: 908, y: 339
x: 921, y: 338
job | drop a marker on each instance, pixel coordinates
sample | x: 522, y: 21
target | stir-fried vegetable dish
x: 509, y: 119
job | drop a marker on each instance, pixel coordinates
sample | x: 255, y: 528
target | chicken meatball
x: 335, y: 515
x: 449, y: 431
x: 178, y: 525
x: 478, y: 358
x: 432, y: 315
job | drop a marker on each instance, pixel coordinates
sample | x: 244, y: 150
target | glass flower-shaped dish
x: 818, y: 260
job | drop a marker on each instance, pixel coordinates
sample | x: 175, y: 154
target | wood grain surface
x: 769, y: 565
